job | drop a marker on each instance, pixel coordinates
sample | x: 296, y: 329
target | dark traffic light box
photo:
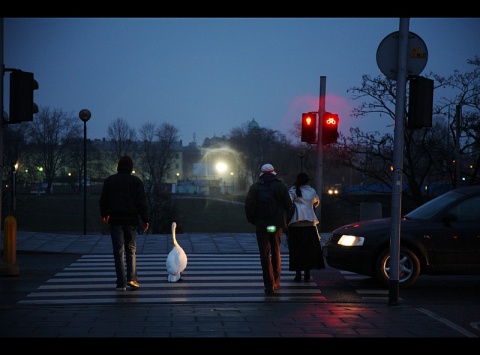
x: 420, y: 102
x: 329, y: 128
x: 22, y: 106
x: 309, y: 127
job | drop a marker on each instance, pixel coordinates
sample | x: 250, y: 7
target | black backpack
x: 267, y: 205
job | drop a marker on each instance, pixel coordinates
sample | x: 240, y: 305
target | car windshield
x: 432, y: 207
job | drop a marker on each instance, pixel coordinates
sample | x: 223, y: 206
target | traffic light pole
x: 319, y: 169
x: 2, y: 121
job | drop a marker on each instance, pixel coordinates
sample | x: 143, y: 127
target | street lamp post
x: 84, y: 116
x: 14, y: 187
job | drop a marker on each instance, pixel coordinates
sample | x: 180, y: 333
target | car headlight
x: 351, y: 240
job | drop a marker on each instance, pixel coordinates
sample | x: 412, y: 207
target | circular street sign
x: 387, y: 55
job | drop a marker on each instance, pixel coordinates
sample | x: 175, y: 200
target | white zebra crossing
x: 207, y: 278
x: 367, y: 294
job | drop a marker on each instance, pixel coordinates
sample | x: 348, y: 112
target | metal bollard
x: 10, y: 266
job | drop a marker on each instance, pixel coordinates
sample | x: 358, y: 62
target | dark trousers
x: 124, y: 243
x: 270, y: 256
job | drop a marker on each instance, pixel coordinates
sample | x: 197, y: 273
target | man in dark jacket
x: 123, y: 203
x: 269, y: 230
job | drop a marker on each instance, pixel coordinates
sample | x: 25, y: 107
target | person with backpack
x: 304, y: 248
x: 266, y: 205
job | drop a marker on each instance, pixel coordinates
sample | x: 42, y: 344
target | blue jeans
x: 124, y: 243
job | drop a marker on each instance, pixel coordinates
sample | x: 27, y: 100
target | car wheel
x: 409, y: 267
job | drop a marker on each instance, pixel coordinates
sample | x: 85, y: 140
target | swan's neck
x: 174, y: 239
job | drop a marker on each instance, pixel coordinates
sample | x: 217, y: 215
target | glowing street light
x: 221, y: 167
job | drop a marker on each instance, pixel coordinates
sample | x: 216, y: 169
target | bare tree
x: 372, y: 154
x: 14, y: 147
x: 466, y: 89
x: 50, y: 134
x: 158, y: 147
x: 14, y: 159
x: 428, y: 152
x: 75, y: 161
x: 167, y: 138
x: 122, y: 137
x: 258, y: 146
x: 158, y: 151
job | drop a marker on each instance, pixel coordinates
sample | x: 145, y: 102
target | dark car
x: 441, y: 237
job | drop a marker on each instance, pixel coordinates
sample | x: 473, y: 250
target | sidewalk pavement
x: 267, y: 319
x: 146, y: 243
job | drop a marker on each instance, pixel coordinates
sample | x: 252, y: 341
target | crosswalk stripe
x: 366, y: 294
x: 207, y: 278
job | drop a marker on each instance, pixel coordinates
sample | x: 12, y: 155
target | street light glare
x: 221, y: 167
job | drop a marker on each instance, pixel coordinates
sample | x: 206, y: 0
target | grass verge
x: 65, y: 214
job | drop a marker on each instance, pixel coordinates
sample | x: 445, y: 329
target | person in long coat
x: 304, y: 248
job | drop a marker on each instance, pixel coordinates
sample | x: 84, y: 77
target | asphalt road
x: 452, y: 298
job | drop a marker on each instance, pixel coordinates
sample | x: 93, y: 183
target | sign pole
x: 398, y: 143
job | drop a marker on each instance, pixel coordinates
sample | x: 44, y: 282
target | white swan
x: 176, y: 259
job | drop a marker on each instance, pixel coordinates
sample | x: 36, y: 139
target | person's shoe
x: 133, y: 284
x: 298, y: 277
x: 121, y: 289
x: 269, y: 290
x: 306, y: 276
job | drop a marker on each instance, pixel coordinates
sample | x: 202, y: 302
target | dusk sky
x: 208, y: 75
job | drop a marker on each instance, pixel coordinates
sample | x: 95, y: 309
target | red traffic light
x: 309, y: 127
x: 330, y: 128
x: 308, y: 120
